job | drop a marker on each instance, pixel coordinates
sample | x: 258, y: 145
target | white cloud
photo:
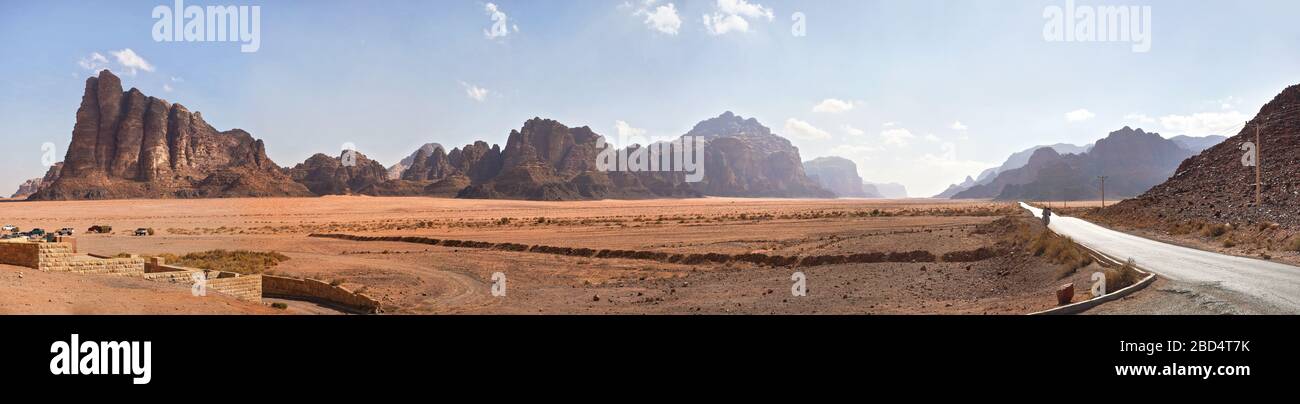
x: 804, y: 130
x: 500, y: 22
x: 663, y: 19
x: 474, y: 92
x: 931, y: 137
x: 95, y: 62
x: 745, y: 8
x: 731, y: 16
x: 852, y: 131
x: 889, y: 124
x: 833, y: 106
x: 1204, y: 123
x: 1079, y: 115
x: 958, y: 126
x: 167, y: 88
x: 131, y: 61
x: 1138, y: 119
x: 626, y: 130
x: 897, y: 137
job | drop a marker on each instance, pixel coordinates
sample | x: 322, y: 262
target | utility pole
x: 1103, y: 189
x: 1259, y: 168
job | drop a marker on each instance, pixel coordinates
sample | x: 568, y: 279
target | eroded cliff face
x: 129, y: 145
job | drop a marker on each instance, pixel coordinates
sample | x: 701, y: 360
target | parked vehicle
x: 143, y: 232
x: 9, y: 228
x: 99, y: 228
x: 66, y: 231
x: 37, y: 232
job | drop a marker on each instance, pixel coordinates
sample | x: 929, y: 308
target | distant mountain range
x: 128, y: 145
x: 891, y: 190
x: 1132, y: 160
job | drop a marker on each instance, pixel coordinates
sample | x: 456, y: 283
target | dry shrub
x: 238, y: 261
x: 1122, y: 277
x: 1214, y: 230
x: 1060, y: 250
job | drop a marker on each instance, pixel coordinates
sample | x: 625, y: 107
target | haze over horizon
x: 921, y: 93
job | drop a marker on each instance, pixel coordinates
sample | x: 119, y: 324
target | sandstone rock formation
x: 395, y: 172
x: 1216, y: 187
x: 545, y: 160
x: 348, y: 174
x: 34, y: 185
x: 743, y: 158
x: 838, y: 175
x: 128, y: 145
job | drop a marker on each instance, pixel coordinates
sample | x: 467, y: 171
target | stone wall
x: 242, y: 287
x: 318, y: 291
x: 19, y: 253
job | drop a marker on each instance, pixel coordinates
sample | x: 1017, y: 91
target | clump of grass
x: 1060, y: 250
x: 1122, y: 277
x: 279, y: 305
x: 1214, y: 230
x: 238, y: 261
x: 1229, y: 242
x: 1294, y: 245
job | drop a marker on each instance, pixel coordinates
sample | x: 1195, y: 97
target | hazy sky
x: 918, y: 92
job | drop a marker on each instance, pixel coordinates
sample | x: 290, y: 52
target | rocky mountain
x: 546, y: 160
x: 955, y: 188
x: 1215, y: 186
x: 891, y: 190
x: 34, y: 185
x: 395, y: 172
x: 1016, y: 160
x: 129, y: 145
x: 838, y: 175
x: 743, y: 158
x: 1197, y: 144
x: 1133, y: 160
x: 348, y: 174
x: 27, y: 188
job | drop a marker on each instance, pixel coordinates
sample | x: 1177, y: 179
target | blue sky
x: 884, y: 83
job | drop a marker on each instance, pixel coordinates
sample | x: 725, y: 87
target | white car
x: 9, y: 228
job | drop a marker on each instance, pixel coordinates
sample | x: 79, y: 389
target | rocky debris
x: 347, y: 174
x: 1065, y: 294
x: 128, y: 145
x: 1133, y: 160
x: 1216, y: 187
x: 838, y: 175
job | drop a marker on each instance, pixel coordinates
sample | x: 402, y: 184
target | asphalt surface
x: 1266, y: 283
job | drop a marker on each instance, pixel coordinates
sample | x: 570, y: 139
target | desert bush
x: 1294, y: 245
x: 1122, y: 277
x: 1060, y: 250
x: 238, y: 261
x: 1214, y: 230
x: 279, y: 305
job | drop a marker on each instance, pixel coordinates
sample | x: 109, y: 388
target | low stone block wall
x: 319, y: 291
x: 247, y: 288
x: 20, y: 253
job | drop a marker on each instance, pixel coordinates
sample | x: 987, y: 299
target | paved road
x: 1271, y: 283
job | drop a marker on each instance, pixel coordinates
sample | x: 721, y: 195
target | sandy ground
x: 28, y: 291
x: 422, y: 279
